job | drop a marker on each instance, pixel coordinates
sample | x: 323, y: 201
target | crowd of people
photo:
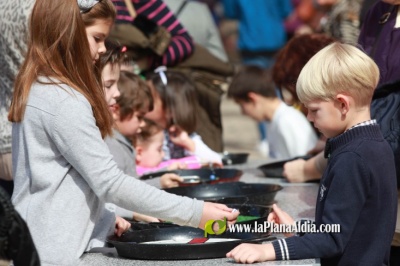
x: 104, y: 91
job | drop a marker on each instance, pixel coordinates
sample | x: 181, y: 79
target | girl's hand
x: 181, y: 138
x: 215, y: 211
x: 280, y: 217
x: 170, y: 180
x: 250, y: 253
x: 121, y: 225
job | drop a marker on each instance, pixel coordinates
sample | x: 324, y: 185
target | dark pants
x: 394, y: 256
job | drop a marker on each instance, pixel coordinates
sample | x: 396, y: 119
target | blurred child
x: 175, y: 106
x: 149, y: 153
x: 134, y: 102
x: 289, y: 132
x: 358, y: 189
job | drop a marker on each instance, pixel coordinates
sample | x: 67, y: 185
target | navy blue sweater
x: 358, y: 191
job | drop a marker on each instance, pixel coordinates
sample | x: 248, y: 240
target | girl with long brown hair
x: 63, y: 170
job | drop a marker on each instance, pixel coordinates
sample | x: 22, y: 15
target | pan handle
x: 157, y: 174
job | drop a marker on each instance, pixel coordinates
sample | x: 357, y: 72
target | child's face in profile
x: 152, y: 154
x: 158, y: 114
x: 130, y: 126
x: 326, y: 117
x: 97, y: 34
x: 249, y: 108
x: 110, y: 77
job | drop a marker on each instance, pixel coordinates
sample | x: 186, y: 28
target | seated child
x: 358, y: 189
x: 149, y: 153
x: 289, y: 132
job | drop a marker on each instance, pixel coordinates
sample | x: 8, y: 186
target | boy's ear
x: 344, y: 101
x: 252, y: 96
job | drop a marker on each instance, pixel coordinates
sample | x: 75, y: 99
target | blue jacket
x: 358, y: 191
x: 261, y: 23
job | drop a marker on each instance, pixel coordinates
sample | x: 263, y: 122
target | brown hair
x: 114, y: 55
x: 146, y: 132
x: 135, y: 95
x: 251, y: 79
x: 58, y: 48
x: 179, y: 96
x: 293, y: 57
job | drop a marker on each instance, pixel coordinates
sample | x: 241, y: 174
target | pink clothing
x: 192, y: 162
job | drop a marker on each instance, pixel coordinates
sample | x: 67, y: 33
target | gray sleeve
x: 125, y: 163
x: 79, y: 140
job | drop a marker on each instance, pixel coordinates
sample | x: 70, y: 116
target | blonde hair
x: 58, y: 48
x: 338, y: 68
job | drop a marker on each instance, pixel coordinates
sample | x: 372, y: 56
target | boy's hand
x: 215, y: 211
x: 294, y: 171
x: 121, y: 225
x: 250, y: 253
x: 280, y: 217
x: 170, y: 180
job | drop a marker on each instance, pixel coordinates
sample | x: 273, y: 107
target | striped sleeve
x: 181, y: 45
x: 284, y: 250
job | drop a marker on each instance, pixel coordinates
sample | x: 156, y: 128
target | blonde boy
x: 358, y: 188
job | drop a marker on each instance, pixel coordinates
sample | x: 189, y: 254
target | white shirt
x: 289, y: 133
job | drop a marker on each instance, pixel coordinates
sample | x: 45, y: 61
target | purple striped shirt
x: 181, y: 45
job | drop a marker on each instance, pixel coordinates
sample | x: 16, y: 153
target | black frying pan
x: 131, y: 244
x: 231, y: 193
x: 234, y: 158
x: 199, y: 176
x: 275, y: 169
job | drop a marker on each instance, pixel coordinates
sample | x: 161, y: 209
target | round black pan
x: 275, y: 169
x: 209, y: 176
x: 129, y: 244
x: 234, y: 158
x: 231, y: 193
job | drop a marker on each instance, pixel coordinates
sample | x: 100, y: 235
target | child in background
x: 134, y: 102
x: 358, y: 189
x: 289, y: 132
x: 174, y: 110
x: 149, y: 153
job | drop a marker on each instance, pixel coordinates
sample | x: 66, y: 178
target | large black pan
x: 130, y: 244
x: 234, y: 158
x: 199, y: 176
x: 275, y: 169
x: 231, y: 193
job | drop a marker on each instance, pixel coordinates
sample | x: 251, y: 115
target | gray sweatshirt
x: 64, y: 173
